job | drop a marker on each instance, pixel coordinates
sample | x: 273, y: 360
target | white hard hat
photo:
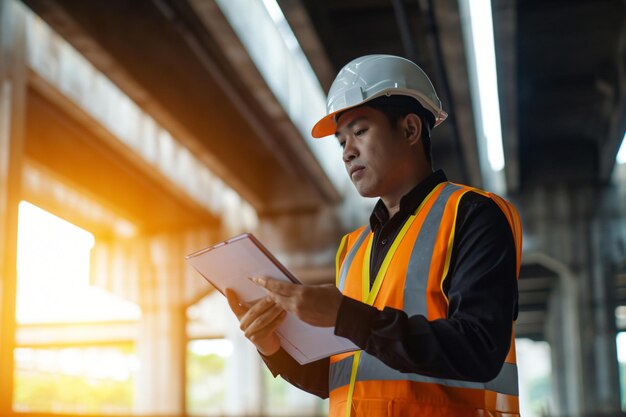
x: 371, y: 76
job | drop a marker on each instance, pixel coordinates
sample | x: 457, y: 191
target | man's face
x: 377, y: 157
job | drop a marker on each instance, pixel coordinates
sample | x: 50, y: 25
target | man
x: 427, y: 290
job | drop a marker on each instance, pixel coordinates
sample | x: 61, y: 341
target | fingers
x: 282, y: 293
x: 255, y: 312
x: 275, y: 286
x: 314, y: 304
x: 265, y: 324
x: 265, y: 309
x: 266, y: 331
x: 258, y: 320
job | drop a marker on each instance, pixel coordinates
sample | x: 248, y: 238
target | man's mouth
x: 355, y: 169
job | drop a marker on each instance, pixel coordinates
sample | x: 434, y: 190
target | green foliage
x: 41, y: 392
x: 206, y: 388
x: 201, y: 365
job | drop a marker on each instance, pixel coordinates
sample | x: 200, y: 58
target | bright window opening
x: 219, y: 358
x: 208, y: 356
x: 74, y: 353
x: 534, y: 369
x: 621, y: 154
x: 283, y: 399
x: 53, y: 274
x: 621, y: 358
x: 206, y: 376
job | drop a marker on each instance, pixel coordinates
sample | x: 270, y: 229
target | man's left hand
x: 317, y: 305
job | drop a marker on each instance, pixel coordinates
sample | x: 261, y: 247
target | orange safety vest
x: 410, y: 278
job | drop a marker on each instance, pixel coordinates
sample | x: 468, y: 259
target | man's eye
x: 342, y: 144
x: 360, y: 132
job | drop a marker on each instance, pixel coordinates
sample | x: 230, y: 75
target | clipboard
x: 230, y: 264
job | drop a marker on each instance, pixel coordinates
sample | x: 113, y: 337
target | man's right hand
x: 258, y: 322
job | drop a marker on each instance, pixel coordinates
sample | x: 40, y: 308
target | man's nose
x: 349, y: 151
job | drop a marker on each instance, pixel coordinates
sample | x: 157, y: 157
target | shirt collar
x: 410, y: 201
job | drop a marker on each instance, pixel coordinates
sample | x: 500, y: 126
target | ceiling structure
x: 561, y: 70
x: 566, y: 77
x: 561, y: 74
x: 169, y: 65
x: 571, y: 89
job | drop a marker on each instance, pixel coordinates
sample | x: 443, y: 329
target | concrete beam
x: 75, y: 334
x: 176, y: 81
x: 276, y: 99
x: 617, y: 119
x: 66, y: 140
x: 45, y: 189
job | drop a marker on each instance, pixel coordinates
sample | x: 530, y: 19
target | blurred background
x: 134, y: 132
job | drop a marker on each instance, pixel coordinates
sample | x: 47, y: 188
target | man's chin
x: 365, y: 192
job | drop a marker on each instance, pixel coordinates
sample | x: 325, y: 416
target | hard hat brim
x: 326, y: 126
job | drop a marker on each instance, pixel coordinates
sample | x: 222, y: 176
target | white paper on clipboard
x: 231, y: 263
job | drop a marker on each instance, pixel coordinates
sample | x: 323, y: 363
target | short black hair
x: 395, y: 107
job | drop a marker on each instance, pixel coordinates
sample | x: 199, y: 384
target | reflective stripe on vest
x: 349, y: 257
x: 372, y: 369
x: 422, y: 255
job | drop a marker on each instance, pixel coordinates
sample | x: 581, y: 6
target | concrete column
x: 567, y: 224
x: 12, y: 103
x: 161, y: 343
x: 601, y: 368
x: 563, y: 334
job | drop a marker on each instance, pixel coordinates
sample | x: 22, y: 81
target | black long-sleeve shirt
x: 481, y: 286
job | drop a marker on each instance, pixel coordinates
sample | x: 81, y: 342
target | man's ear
x: 412, y: 127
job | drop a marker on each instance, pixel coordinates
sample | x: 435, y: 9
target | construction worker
x: 427, y: 289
